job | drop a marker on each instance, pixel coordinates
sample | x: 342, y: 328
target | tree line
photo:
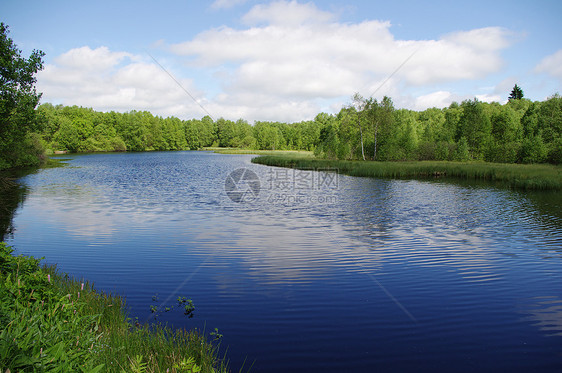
x: 78, y: 129
x: 520, y: 131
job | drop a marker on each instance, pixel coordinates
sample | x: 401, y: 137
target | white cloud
x: 107, y: 80
x: 85, y: 58
x: 551, y: 65
x: 286, y: 13
x: 485, y: 39
x: 292, y: 51
x: 487, y: 97
x: 226, y: 4
x: 288, y: 62
x: 439, y: 99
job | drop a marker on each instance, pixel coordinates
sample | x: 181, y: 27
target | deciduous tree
x: 18, y: 99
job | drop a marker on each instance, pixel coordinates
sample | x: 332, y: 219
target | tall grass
x: 529, y: 176
x: 51, y: 322
x: 292, y: 153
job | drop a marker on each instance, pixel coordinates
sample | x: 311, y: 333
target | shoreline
x: 76, y: 327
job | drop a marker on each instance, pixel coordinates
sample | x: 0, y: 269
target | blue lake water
x: 312, y: 271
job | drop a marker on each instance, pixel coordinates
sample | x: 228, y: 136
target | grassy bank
x: 50, y: 322
x: 291, y: 153
x: 528, y: 176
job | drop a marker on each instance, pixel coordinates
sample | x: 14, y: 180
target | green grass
x: 292, y: 153
x: 51, y: 322
x: 520, y: 176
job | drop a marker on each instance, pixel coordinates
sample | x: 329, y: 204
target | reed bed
x: 519, y: 176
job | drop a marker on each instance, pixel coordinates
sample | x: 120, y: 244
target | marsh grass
x: 52, y: 322
x: 520, y: 176
x: 292, y: 153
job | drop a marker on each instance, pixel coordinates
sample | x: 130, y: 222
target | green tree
x: 226, y: 132
x: 268, y: 136
x: 533, y: 150
x: 516, y: 93
x: 329, y: 142
x: 381, y: 118
x: 359, y: 104
x: 462, y: 153
x: 475, y: 126
x: 18, y: 99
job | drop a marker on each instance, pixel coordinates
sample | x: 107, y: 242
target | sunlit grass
x: 51, y: 322
x: 292, y: 153
x: 521, y: 176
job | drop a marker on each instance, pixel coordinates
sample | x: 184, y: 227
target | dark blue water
x: 318, y: 272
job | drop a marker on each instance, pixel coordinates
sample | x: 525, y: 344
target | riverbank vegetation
x: 51, y: 322
x: 530, y: 177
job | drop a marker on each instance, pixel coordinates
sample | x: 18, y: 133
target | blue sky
x: 286, y: 60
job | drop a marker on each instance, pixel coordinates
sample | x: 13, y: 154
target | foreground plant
x: 50, y: 322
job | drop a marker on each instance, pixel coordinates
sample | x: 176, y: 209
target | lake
x: 306, y: 271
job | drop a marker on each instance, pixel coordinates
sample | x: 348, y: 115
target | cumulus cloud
x: 287, y: 61
x: 107, y: 80
x: 487, y: 97
x: 439, y: 99
x: 551, y: 65
x: 293, y: 51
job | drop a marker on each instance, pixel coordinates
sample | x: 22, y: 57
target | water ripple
x: 371, y: 275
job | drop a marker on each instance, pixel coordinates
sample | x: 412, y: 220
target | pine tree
x: 516, y: 93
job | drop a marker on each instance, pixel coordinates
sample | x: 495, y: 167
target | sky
x: 286, y: 60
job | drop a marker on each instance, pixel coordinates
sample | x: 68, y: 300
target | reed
x: 520, y: 176
x: 292, y: 153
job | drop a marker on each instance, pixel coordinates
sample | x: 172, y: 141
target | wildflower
x: 49, y: 278
x: 82, y: 286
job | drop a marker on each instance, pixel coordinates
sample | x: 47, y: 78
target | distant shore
x: 294, y: 153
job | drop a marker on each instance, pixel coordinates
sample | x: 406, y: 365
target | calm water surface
x: 319, y: 272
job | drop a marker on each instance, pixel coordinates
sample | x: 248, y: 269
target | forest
x: 520, y: 131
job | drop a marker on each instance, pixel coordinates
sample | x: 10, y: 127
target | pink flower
x: 49, y: 278
x: 82, y: 286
